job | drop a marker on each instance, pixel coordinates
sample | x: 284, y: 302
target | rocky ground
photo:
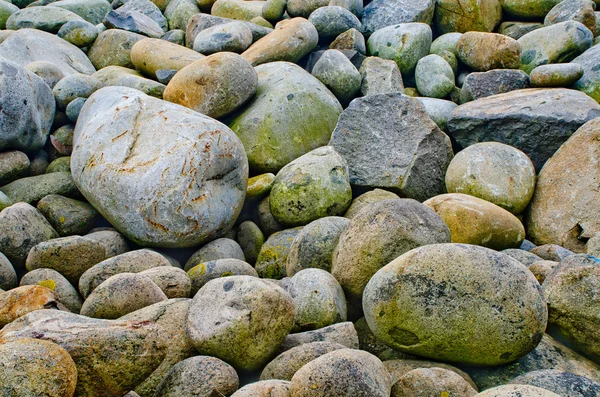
x: 322, y: 198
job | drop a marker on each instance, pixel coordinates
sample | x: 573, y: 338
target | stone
x: 209, y: 270
x: 562, y: 383
x: 13, y: 165
x: 305, y: 115
x: 431, y: 325
x: 525, y: 257
x: 494, y: 172
x: 445, y: 42
x: 400, y: 367
x: 291, y: 40
x: 199, y: 376
x: 31, y: 45
x: 434, y: 77
x: 438, y: 110
x: 267, y: 388
x: 114, y: 243
x: 343, y: 372
x: 590, y: 81
x: 535, y: 121
x: 499, y: 81
x: 551, y: 252
x: 556, y: 75
x: 285, y: 365
x: 61, y: 164
x: 34, y: 188
x: 314, y: 245
x: 382, y: 13
x: 133, y: 21
x: 272, y: 258
x: 179, y: 12
x: 380, y: 76
x: 251, y: 240
x: 152, y: 55
x: 486, y: 51
x: 174, y: 220
x: 200, y: 22
x: 341, y: 333
x: 92, y: 11
x: 48, y: 19
x: 331, y: 21
x: 516, y: 30
x: 570, y: 39
x: 248, y: 335
x: 517, y: 391
x: 351, y: 39
x: 221, y: 248
x: 338, y: 74
x: 125, y: 77
x: 389, y: 142
x: 68, y: 216
x: 578, y: 10
x: 73, y: 86
x: 233, y: 37
x: 408, y: 42
x: 79, y: 33
x: 8, y: 276
x: 435, y: 381
x: 467, y: 15
x: 379, y: 233
x: 367, y: 198
x: 145, y: 7
x: 48, y: 71
x: 27, y: 108
x: 215, y: 86
x: 173, y: 281
x: 19, y: 301
x: 64, y: 292
x: 542, y: 269
x: 113, y: 48
x: 112, y: 357
x: 36, y: 368
x: 22, y: 227
x: 6, y: 10
x: 560, y: 211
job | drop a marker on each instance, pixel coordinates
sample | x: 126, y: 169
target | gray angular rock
x: 380, y: 76
x: 341, y: 333
x: 516, y: 30
x: 483, y: 84
x: 578, y: 10
x: 133, y: 21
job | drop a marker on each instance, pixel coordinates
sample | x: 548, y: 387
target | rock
x: 338, y: 74
x: 31, y: 45
x: 435, y: 381
x: 557, y: 75
x: 64, y: 292
x: 399, y: 368
x: 438, y: 110
x: 560, y: 211
x: 305, y: 115
x: 251, y: 240
x: 579, y: 10
x: 340, y: 373
x: 173, y: 281
x: 434, y: 77
x: 498, y: 81
x: 291, y: 40
x: 367, y: 198
x: 494, y: 172
x: 152, y: 55
x: 341, y: 333
x: 314, y: 245
x: 67, y: 216
x: 22, y: 227
x: 8, y: 276
x: 506, y: 334
x: 114, y: 243
x: 33, y: 367
x: 179, y: 12
x: 240, y: 336
x: 221, y: 248
x: 174, y: 222
x: 380, y: 76
x: 214, y: 86
x: 210, y: 270
x: 465, y: 16
x: 285, y: 365
x: 551, y: 252
x: 331, y: 21
x: 236, y: 9
x: 408, y: 42
x: 570, y: 39
x: 516, y: 30
x: 27, y: 108
x: 6, y: 10
x: 92, y: 11
x: 486, y: 51
x: 232, y: 37
x: 382, y: 13
x: 73, y: 86
x: 590, y: 81
x: 79, y: 33
x: 13, y: 165
x: 200, y: 22
x: 542, y: 269
x: 133, y: 21
x: 61, y: 164
x: 525, y: 257
x: 367, y: 130
x: 22, y: 300
x: 145, y: 7
x: 49, y: 19
x: 113, y: 48
x: 34, y: 188
x: 48, y: 71
x: 124, y: 77
x: 517, y: 391
x: 562, y: 383
x: 272, y: 258
x: 112, y: 357
x: 378, y: 234
x: 351, y: 39
x: 199, y: 376
x: 267, y: 388
x: 535, y: 121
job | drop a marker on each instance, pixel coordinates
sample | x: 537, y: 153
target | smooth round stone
x: 380, y: 233
x: 221, y: 248
x: 314, y: 185
x: 516, y: 30
x: 266, y: 388
x: 517, y: 391
x: 291, y: 114
x: 562, y: 383
x: 48, y: 71
x: 285, y: 365
x: 342, y: 333
x: 319, y: 299
x: 338, y: 74
x: 112, y: 47
x: 34, y: 188
x: 36, y: 368
x: 556, y: 75
x: 432, y: 381
x: 551, y: 252
x: 525, y: 257
x: 380, y: 76
x: 367, y: 198
x: 149, y: 56
x: 251, y: 239
x: 74, y: 108
x: 114, y: 242
x: 267, y: 221
x: 472, y: 220
x: 466, y: 16
x: 241, y: 320
x: 121, y: 294
x: 260, y: 185
x: 79, y: 33
x: 486, y: 51
x: 49, y: 19
x: 232, y: 37
x: 8, y: 276
x: 542, y: 269
x: 173, y: 281
x: 20, y: 301
x: 500, y: 299
x: 434, y: 77
x: 528, y: 8
x: 445, y: 42
x: 404, y: 43
x: 74, y: 86
x: 210, y: 270
x: 61, y: 164
x: 577, y: 10
x: 438, y: 110
x: 63, y: 290
x: 331, y: 21
x: 351, y: 39
x: 6, y: 10
x: 314, y: 245
x: 158, y: 188
x: 199, y: 376
x: 272, y: 258
x: 478, y: 85
x: 344, y: 372
x: 400, y: 367
x: 495, y: 172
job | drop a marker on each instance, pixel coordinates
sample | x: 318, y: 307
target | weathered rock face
x: 389, y: 142
x: 291, y: 114
x: 563, y: 209
x: 411, y: 307
x: 535, y: 121
x: 27, y: 108
x: 157, y: 187
x: 112, y: 357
